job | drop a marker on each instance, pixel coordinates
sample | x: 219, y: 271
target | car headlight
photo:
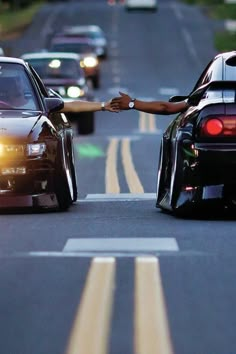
x: 90, y: 62
x: 11, y: 150
x: 74, y: 92
x: 36, y: 149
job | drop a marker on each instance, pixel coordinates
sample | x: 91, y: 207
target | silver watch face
x: 131, y: 104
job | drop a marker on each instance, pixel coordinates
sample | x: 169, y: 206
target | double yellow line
x: 91, y: 330
x: 111, y: 176
x: 147, y: 123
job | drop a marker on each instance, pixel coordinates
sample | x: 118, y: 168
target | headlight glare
x: 74, y: 91
x: 90, y: 62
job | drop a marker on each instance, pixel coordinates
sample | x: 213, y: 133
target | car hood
x: 20, y: 125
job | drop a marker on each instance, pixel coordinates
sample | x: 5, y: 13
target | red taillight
x: 219, y: 126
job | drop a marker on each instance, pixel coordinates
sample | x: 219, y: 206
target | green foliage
x: 12, y: 20
x: 225, y: 41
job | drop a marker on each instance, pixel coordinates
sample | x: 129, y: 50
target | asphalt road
x: 115, y: 275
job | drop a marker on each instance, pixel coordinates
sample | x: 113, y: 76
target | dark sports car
x: 197, y: 164
x: 36, y: 142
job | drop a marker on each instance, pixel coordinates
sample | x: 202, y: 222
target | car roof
x: 81, y: 28
x: 48, y: 55
x: 12, y: 60
x: 71, y: 39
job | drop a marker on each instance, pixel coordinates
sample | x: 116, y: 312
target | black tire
x: 63, y: 182
x: 96, y: 81
x: 85, y: 123
x: 73, y: 171
x: 177, y: 173
x: 160, y: 176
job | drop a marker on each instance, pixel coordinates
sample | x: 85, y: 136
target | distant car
x: 92, y: 32
x: 87, y: 52
x: 150, y: 5
x: 37, y: 166
x: 62, y: 73
x: 197, y: 165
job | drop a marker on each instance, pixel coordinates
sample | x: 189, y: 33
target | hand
x: 122, y: 101
x: 112, y: 107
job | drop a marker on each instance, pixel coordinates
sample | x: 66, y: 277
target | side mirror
x: 177, y: 98
x: 54, y: 104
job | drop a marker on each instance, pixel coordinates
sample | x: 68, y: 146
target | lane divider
x: 90, y: 331
x: 111, y: 177
x: 111, y: 173
x: 151, y: 324
x: 147, y: 123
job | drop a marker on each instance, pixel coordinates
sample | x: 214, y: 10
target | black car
x: 197, y: 164
x: 62, y: 72
x: 37, y: 166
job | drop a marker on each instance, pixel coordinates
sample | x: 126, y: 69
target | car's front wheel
x: 85, y: 123
x: 63, y: 182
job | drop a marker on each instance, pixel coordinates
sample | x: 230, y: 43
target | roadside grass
x: 217, y: 9
x: 225, y: 41
x: 13, y: 22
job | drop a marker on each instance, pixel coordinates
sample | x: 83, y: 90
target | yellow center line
x: 91, y: 326
x: 152, y: 123
x: 111, y: 178
x: 142, y: 122
x: 132, y: 179
x: 151, y: 324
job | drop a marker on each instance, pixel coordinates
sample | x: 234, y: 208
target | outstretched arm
x: 161, y: 107
x: 89, y: 106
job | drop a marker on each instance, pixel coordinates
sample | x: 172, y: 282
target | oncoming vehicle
x: 37, y: 167
x: 93, y: 33
x: 150, y: 5
x: 89, y: 59
x: 197, y: 164
x: 62, y: 73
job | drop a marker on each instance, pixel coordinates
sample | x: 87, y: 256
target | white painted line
x: 119, y: 197
x: 190, y: 45
x: 168, y: 91
x: 177, y: 12
x: 121, y: 244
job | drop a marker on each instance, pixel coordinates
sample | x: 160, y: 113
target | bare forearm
x: 81, y: 106
x: 159, y: 107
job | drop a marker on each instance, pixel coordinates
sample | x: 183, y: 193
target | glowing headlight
x: 11, y: 150
x: 74, y: 91
x: 90, y: 62
x: 36, y: 149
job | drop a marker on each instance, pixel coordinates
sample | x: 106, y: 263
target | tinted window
x: 16, y: 88
x: 81, y: 48
x: 56, y: 68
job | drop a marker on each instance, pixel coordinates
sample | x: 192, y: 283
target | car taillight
x: 219, y: 126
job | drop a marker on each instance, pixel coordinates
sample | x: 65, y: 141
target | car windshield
x: 56, y: 68
x: 74, y: 47
x: 16, y: 91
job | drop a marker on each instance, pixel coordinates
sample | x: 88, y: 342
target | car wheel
x: 96, y: 82
x: 177, y: 172
x: 73, y: 171
x: 63, y: 182
x: 86, y: 124
x: 161, y: 176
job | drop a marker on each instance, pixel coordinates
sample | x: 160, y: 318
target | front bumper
x: 34, y: 188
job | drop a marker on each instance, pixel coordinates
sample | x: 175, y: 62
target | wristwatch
x: 103, y: 106
x: 131, y: 103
